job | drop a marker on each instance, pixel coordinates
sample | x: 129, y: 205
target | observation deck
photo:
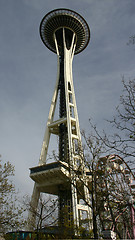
x: 49, y: 177
x: 68, y: 19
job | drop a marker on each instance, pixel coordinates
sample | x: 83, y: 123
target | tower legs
x: 31, y: 224
x: 68, y: 130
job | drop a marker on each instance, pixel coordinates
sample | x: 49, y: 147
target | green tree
x: 11, y: 214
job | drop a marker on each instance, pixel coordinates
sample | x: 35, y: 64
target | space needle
x: 65, y: 33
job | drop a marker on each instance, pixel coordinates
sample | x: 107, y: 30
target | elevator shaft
x: 63, y: 135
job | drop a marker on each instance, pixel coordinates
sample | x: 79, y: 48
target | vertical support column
x: 74, y: 136
x: 89, y: 211
x: 33, y: 209
x: 44, y: 149
x: 68, y: 58
x: 43, y: 154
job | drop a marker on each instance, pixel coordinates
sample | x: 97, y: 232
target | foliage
x: 10, y: 212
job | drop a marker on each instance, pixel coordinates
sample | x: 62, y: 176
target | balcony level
x: 49, y: 177
x: 54, y: 176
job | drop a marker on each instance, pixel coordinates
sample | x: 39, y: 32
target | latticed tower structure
x: 65, y: 33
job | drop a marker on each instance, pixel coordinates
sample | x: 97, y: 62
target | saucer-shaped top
x: 64, y: 18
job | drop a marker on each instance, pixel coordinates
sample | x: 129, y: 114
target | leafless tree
x: 122, y: 141
x: 109, y: 188
x: 131, y: 40
x: 114, y: 178
x: 46, y: 213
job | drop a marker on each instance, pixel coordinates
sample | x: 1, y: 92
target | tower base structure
x: 66, y: 33
x: 55, y: 179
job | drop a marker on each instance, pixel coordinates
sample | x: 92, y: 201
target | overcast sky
x: 28, y: 73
